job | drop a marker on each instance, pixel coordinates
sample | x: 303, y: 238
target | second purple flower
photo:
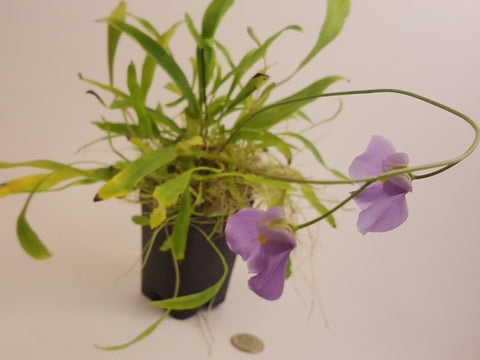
x: 383, y: 204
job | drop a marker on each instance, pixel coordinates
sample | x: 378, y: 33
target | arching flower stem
x: 331, y: 211
x: 444, y: 165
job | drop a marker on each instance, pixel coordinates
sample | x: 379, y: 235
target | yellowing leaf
x: 124, y: 182
x: 167, y: 195
x: 29, y: 182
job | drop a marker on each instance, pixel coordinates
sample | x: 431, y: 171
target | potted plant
x: 222, y: 166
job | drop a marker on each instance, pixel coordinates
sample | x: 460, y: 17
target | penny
x: 247, y: 342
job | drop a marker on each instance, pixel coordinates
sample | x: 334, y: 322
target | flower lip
x: 395, y: 160
x: 267, y: 259
x: 398, y: 161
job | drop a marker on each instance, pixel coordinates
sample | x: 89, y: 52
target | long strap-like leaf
x: 162, y: 57
x: 337, y: 12
x: 122, y: 183
x: 114, y: 36
x: 281, y: 110
x: 213, y: 15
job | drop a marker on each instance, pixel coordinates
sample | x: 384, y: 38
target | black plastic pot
x: 200, y: 269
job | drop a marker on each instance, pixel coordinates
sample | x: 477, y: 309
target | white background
x: 412, y: 293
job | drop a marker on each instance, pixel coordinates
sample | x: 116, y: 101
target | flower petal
x: 402, y: 182
x: 269, y: 281
x: 385, y: 213
x: 281, y: 235
x: 267, y: 257
x: 368, y: 196
x: 383, y: 203
x: 370, y: 162
x: 394, y: 160
x: 241, y: 233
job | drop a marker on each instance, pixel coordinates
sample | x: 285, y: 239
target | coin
x: 247, y: 342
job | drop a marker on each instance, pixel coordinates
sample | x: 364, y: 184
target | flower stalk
x: 335, y: 208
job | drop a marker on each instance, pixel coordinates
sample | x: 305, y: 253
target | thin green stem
x: 110, y: 143
x: 149, y: 246
x: 152, y: 327
x: 418, y: 177
x: 446, y: 164
x: 208, y: 238
x: 177, y: 273
x: 331, y: 211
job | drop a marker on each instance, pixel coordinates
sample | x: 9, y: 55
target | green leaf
x: 124, y: 182
x: 140, y: 337
x: 337, y: 12
x: 163, y: 59
x: 263, y: 96
x: 178, y: 239
x: 190, y: 301
x: 253, y: 84
x: 207, y: 62
x: 309, y: 145
x: 109, y: 88
x: 146, y: 25
x: 267, y: 139
x: 191, y: 28
x: 197, y: 299
x: 173, y: 88
x: 285, y: 108
x: 254, y: 55
x: 29, y: 240
x: 213, y: 15
x: 254, y: 37
x: 258, y: 180
x: 117, y: 128
x: 141, y: 220
x: 114, y: 35
x: 215, y: 107
x: 205, y: 58
x: 300, y: 114
x: 149, y: 64
x: 175, y: 102
x: 166, y: 195
x: 164, y: 39
x: 140, y: 144
x: 312, y: 198
x: 148, y: 71
x: 138, y: 101
x: 156, y: 115
x: 225, y: 53
x: 250, y: 178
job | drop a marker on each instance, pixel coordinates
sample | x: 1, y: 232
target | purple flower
x: 383, y: 205
x: 266, y: 248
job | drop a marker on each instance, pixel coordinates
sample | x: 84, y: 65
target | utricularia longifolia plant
x: 222, y: 156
